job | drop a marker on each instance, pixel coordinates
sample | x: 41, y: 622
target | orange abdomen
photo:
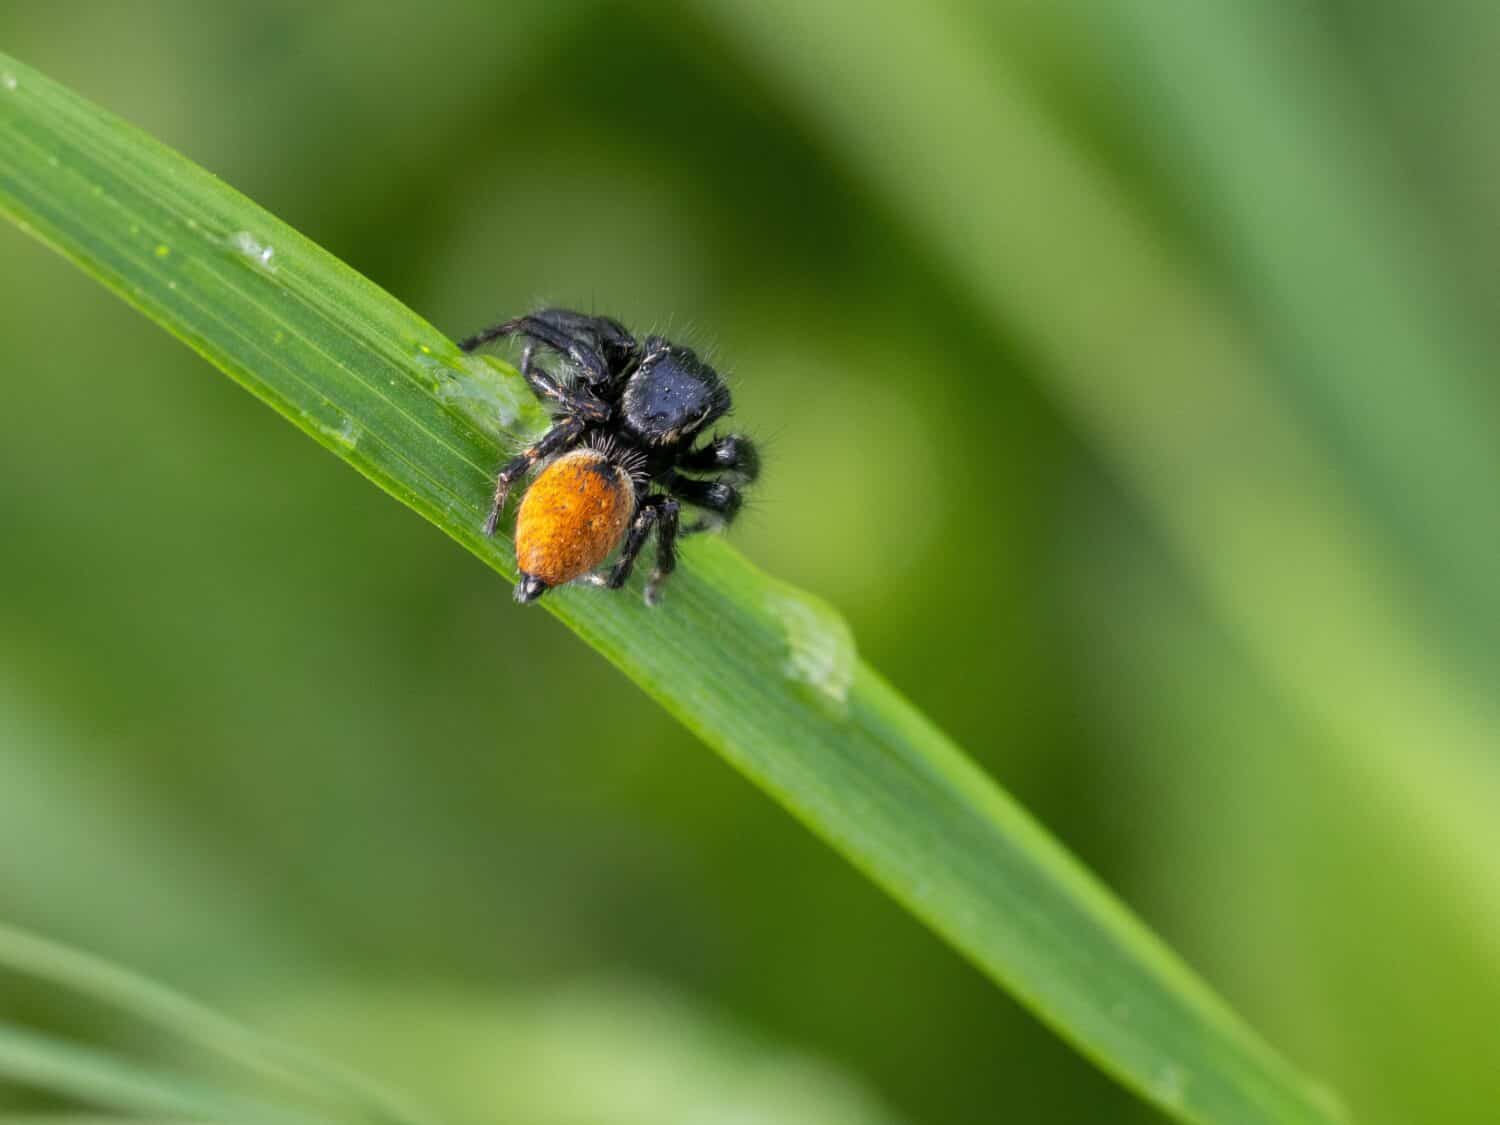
x: 572, y: 516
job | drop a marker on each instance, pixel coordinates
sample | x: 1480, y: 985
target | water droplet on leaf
x: 821, y: 653
x: 245, y: 244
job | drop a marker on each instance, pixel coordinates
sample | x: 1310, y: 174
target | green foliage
x: 624, y: 1038
x: 96, y: 1078
x: 765, y: 674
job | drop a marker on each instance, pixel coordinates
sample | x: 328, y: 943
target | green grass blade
x: 1339, y: 270
x: 764, y: 674
x: 95, y: 1078
x: 106, y: 983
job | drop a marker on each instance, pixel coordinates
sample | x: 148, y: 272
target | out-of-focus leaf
x: 602, y: 1051
x: 1339, y: 271
x: 94, y: 1078
x: 102, y: 982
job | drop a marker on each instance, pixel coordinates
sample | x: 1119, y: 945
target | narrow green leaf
x: 106, y: 983
x: 763, y: 673
x: 96, y: 1078
x: 1343, y: 277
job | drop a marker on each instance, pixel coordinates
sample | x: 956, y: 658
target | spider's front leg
x: 732, y: 453
x: 721, y: 500
x: 564, y: 433
x: 579, y: 338
x: 576, y: 399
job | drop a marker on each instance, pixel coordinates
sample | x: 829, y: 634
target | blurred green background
x: 1125, y: 375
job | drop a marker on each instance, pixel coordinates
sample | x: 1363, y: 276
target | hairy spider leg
x: 646, y: 516
x: 574, y: 399
x: 717, y: 497
x: 606, y: 332
x: 733, y: 453
x: 564, y: 434
x: 655, y: 512
x: 583, y: 351
x: 666, y: 548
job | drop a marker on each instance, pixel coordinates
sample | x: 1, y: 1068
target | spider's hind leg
x: 562, y: 435
x: 635, y: 539
x: 666, y: 548
x: 657, y: 513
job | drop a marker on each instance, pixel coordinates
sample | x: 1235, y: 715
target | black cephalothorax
x: 642, y: 403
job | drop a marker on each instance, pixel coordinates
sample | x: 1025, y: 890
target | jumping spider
x: 625, y: 416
